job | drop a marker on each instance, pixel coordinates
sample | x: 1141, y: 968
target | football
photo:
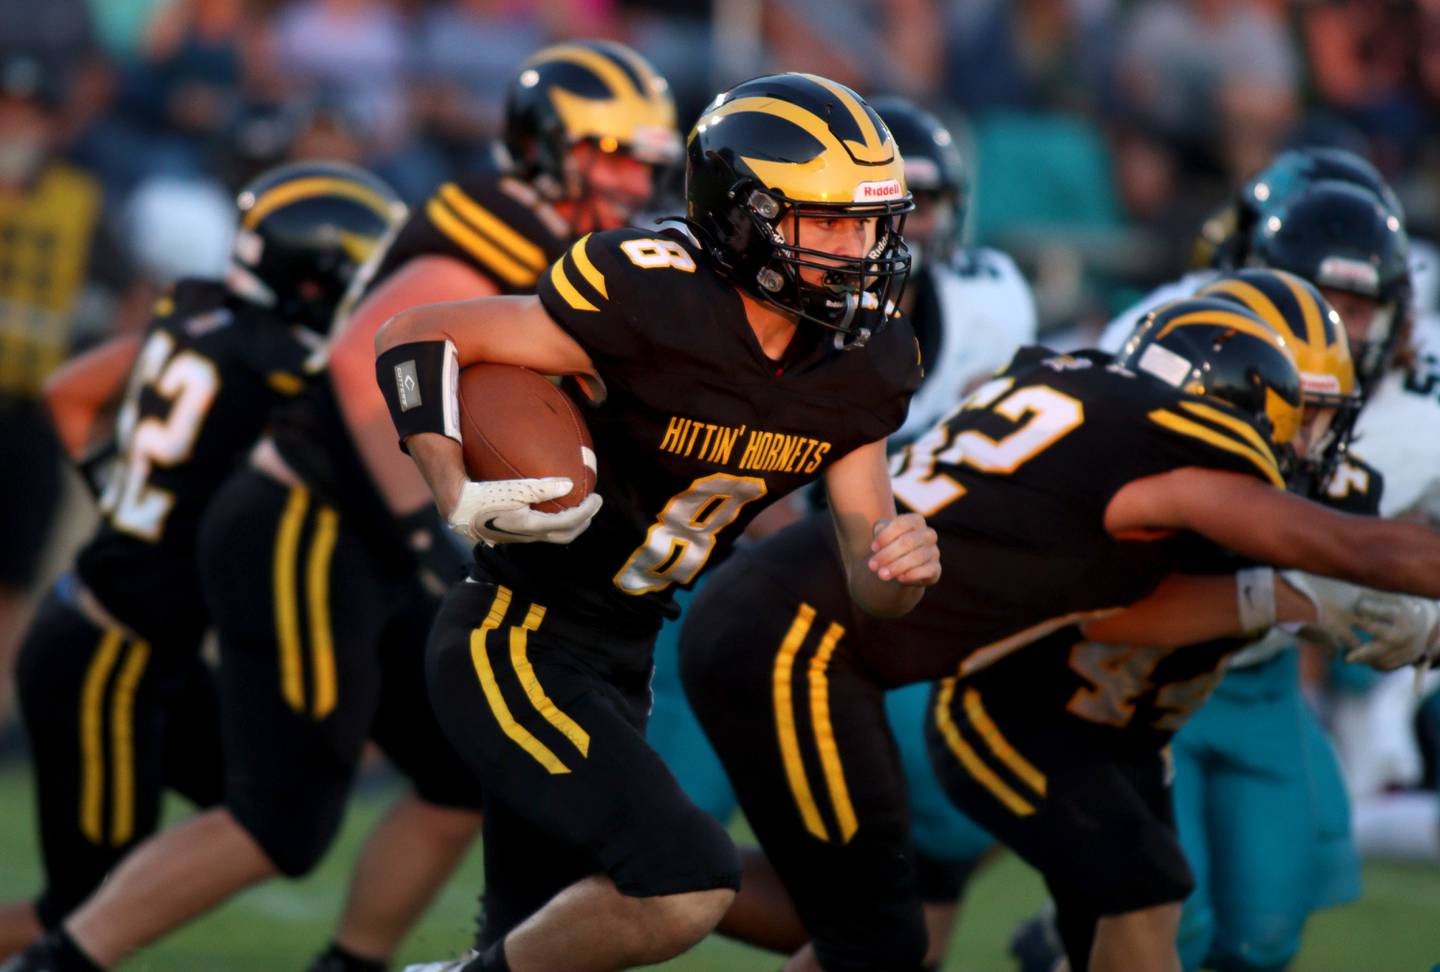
x: 517, y: 424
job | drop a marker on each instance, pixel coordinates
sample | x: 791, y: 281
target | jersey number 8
x: 683, y: 536
x: 190, y: 382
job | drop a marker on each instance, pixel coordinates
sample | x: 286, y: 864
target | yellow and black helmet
x: 587, y: 90
x: 305, y: 229
x: 1296, y: 310
x: 775, y: 148
x: 1206, y: 346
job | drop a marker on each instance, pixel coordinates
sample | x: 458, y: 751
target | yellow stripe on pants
x: 92, y: 744
x: 521, y: 736
x: 971, y: 760
x: 122, y: 744
x: 825, y: 733
x: 287, y: 608
x: 785, y: 722
x: 317, y: 599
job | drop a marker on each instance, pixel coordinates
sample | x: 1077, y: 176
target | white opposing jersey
x: 986, y: 312
x: 1124, y: 322
x: 1399, y: 429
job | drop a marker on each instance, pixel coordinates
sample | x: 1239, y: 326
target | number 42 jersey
x: 1016, y: 483
x: 698, y: 429
x: 208, y: 373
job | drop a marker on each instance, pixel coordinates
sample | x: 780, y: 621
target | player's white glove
x: 1406, y: 632
x: 1377, y: 628
x: 499, y: 512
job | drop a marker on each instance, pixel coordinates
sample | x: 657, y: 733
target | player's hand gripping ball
x: 529, y: 455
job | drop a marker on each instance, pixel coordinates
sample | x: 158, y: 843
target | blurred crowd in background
x: 1098, y: 133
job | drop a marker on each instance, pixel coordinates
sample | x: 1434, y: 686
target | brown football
x: 516, y: 424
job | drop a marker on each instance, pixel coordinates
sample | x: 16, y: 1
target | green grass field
x: 1395, y: 928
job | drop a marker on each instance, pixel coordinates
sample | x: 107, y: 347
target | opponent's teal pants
x: 1264, y: 820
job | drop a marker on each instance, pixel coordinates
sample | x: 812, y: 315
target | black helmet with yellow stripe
x: 776, y: 149
x: 586, y: 90
x: 1295, y: 309
x: 305, y: 229
x: 1211, y: 347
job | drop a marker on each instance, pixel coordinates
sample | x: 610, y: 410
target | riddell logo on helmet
x: 876, y: 191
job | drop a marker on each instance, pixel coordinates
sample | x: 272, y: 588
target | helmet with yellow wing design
x: 1294, y: 309
x: 1206, y: 346
x: 776, y: 152
x: 586, y: 91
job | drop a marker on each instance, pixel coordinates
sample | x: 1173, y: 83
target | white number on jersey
x: 650, y: 254
x: 1045, y: 416
x: 190, y: 382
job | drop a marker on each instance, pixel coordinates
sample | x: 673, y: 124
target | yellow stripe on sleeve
x: 92, y: 744
x: 587, y: 269
x: 825, y: 734
x: 969, y: 759
x: 534, y: 691
x: 567, y: 290
x: 480, y: 658
x: 287, y: 608
x: 122, y: 744
x: 317, y: 599
x: 785, y: 722
x: 490, y: 256
x: 1239, y: 426
x: 515, y: 244
x: 1176, y: 423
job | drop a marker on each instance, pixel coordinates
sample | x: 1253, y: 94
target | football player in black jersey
x: 312, y: 576
x: 741, y: 356
x: 117, y: 703
x: 1073, y: 495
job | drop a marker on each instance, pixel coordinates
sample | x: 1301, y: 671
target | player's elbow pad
x: 419, y: 382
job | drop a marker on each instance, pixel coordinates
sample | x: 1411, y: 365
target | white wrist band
x: 1255, y: 598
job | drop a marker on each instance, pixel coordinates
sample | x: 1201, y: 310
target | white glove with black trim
x: 1377, y: 628
x: 499, y: 512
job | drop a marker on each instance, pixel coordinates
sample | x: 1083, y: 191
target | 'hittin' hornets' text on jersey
x: 698, y: 430
x: 209, y: 371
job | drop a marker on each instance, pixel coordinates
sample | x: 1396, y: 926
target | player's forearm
x: 362, y: 408
x: 879, y: 598
x: 440, y: 462
x: 1188, y: 610
x: 79, y: 391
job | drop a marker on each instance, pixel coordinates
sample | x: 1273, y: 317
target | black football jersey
x: 1016, y: 482
x: 209, y: 372
x: 698, y: 429
x: 497, y: 225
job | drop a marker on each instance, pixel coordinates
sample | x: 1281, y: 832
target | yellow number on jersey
x: 1120, y: 674
x: 1045, y: 416
x: 650, y: 254
x: 683, y: 536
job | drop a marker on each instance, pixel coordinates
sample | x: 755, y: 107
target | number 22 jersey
x: 698, y: 430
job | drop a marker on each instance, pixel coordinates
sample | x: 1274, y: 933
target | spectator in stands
x: 62, y: 283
